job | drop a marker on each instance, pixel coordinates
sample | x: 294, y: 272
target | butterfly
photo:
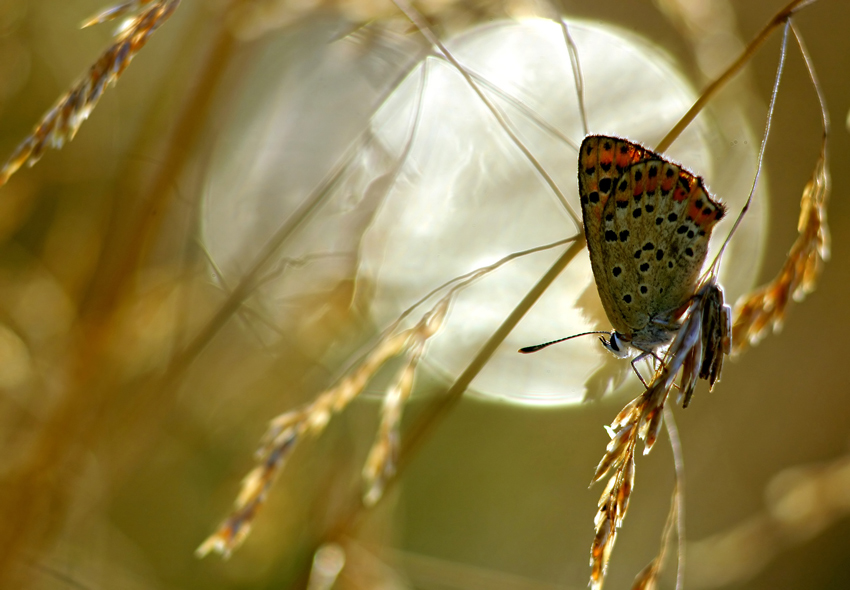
x: 647, y: 222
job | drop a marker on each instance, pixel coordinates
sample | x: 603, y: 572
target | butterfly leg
x: 643, y: 355
x: 635, y: 360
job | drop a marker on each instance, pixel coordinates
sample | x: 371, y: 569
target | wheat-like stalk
x: 707, y: 334
x: 696, y: 353
x: 61, y: 123
x: 801, y: 502
x: 383, y: 457
x: 287, y: 430
x: 766, y: 306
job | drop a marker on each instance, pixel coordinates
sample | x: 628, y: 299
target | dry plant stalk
x: 647, y: 579
x: 801, y: 502
x: 288, y: 429
x: 707, y: 333
x: 766, y: 306
x: 61, y: 123
x: 383, y: 457
x: 697, y: 353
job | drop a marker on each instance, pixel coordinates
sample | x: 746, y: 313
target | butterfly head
x: 617, y: 345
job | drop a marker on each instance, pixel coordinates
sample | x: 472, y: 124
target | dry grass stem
x: 381, y: 465
x: 695, y: 353
x: 117, y: 11
x: 802, y: 502
x: 647, y: 579
x: 328, y: 562
x: 288, y: 429
x: 62, y: 122
x: 780, y: 18
x: 501, y: 118
x: 766, y: 306
x: 385, y: 457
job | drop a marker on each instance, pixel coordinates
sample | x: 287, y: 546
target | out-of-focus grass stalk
x: 39, y: 490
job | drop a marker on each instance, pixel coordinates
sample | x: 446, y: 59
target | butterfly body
x: 647, y: 222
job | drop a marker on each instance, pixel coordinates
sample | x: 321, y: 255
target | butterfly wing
x: 649, y: 238
x: 602, y: 160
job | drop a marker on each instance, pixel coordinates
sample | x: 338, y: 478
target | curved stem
x: 713, y: 88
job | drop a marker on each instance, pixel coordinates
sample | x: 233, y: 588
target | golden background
x: 120, y: 455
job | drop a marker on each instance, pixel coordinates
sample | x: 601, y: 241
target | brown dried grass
x: 707, y: 332
x: 61, y: 123
x: 765, y: 308
x: 699, y: 343
x: 287, y: 430
x: 641, y: 420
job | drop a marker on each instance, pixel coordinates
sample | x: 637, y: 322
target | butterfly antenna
x: 782, y: 53
x: 536, y: 347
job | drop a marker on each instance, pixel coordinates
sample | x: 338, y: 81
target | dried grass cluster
x: 288, y: 429
x: 61, y: 123
x: 705, y: 336
x: 766, y: 306
x: 696, y: 353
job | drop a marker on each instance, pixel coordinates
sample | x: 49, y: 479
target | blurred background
x: 134, y: 394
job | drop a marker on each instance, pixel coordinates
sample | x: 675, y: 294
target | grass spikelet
x: 647, y: 579
x: 117, y: 11
x: 380, y: 466
x: 699, y: 342
x: 287, y: 430
x: 766, y: 306
x: 61, y: 123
